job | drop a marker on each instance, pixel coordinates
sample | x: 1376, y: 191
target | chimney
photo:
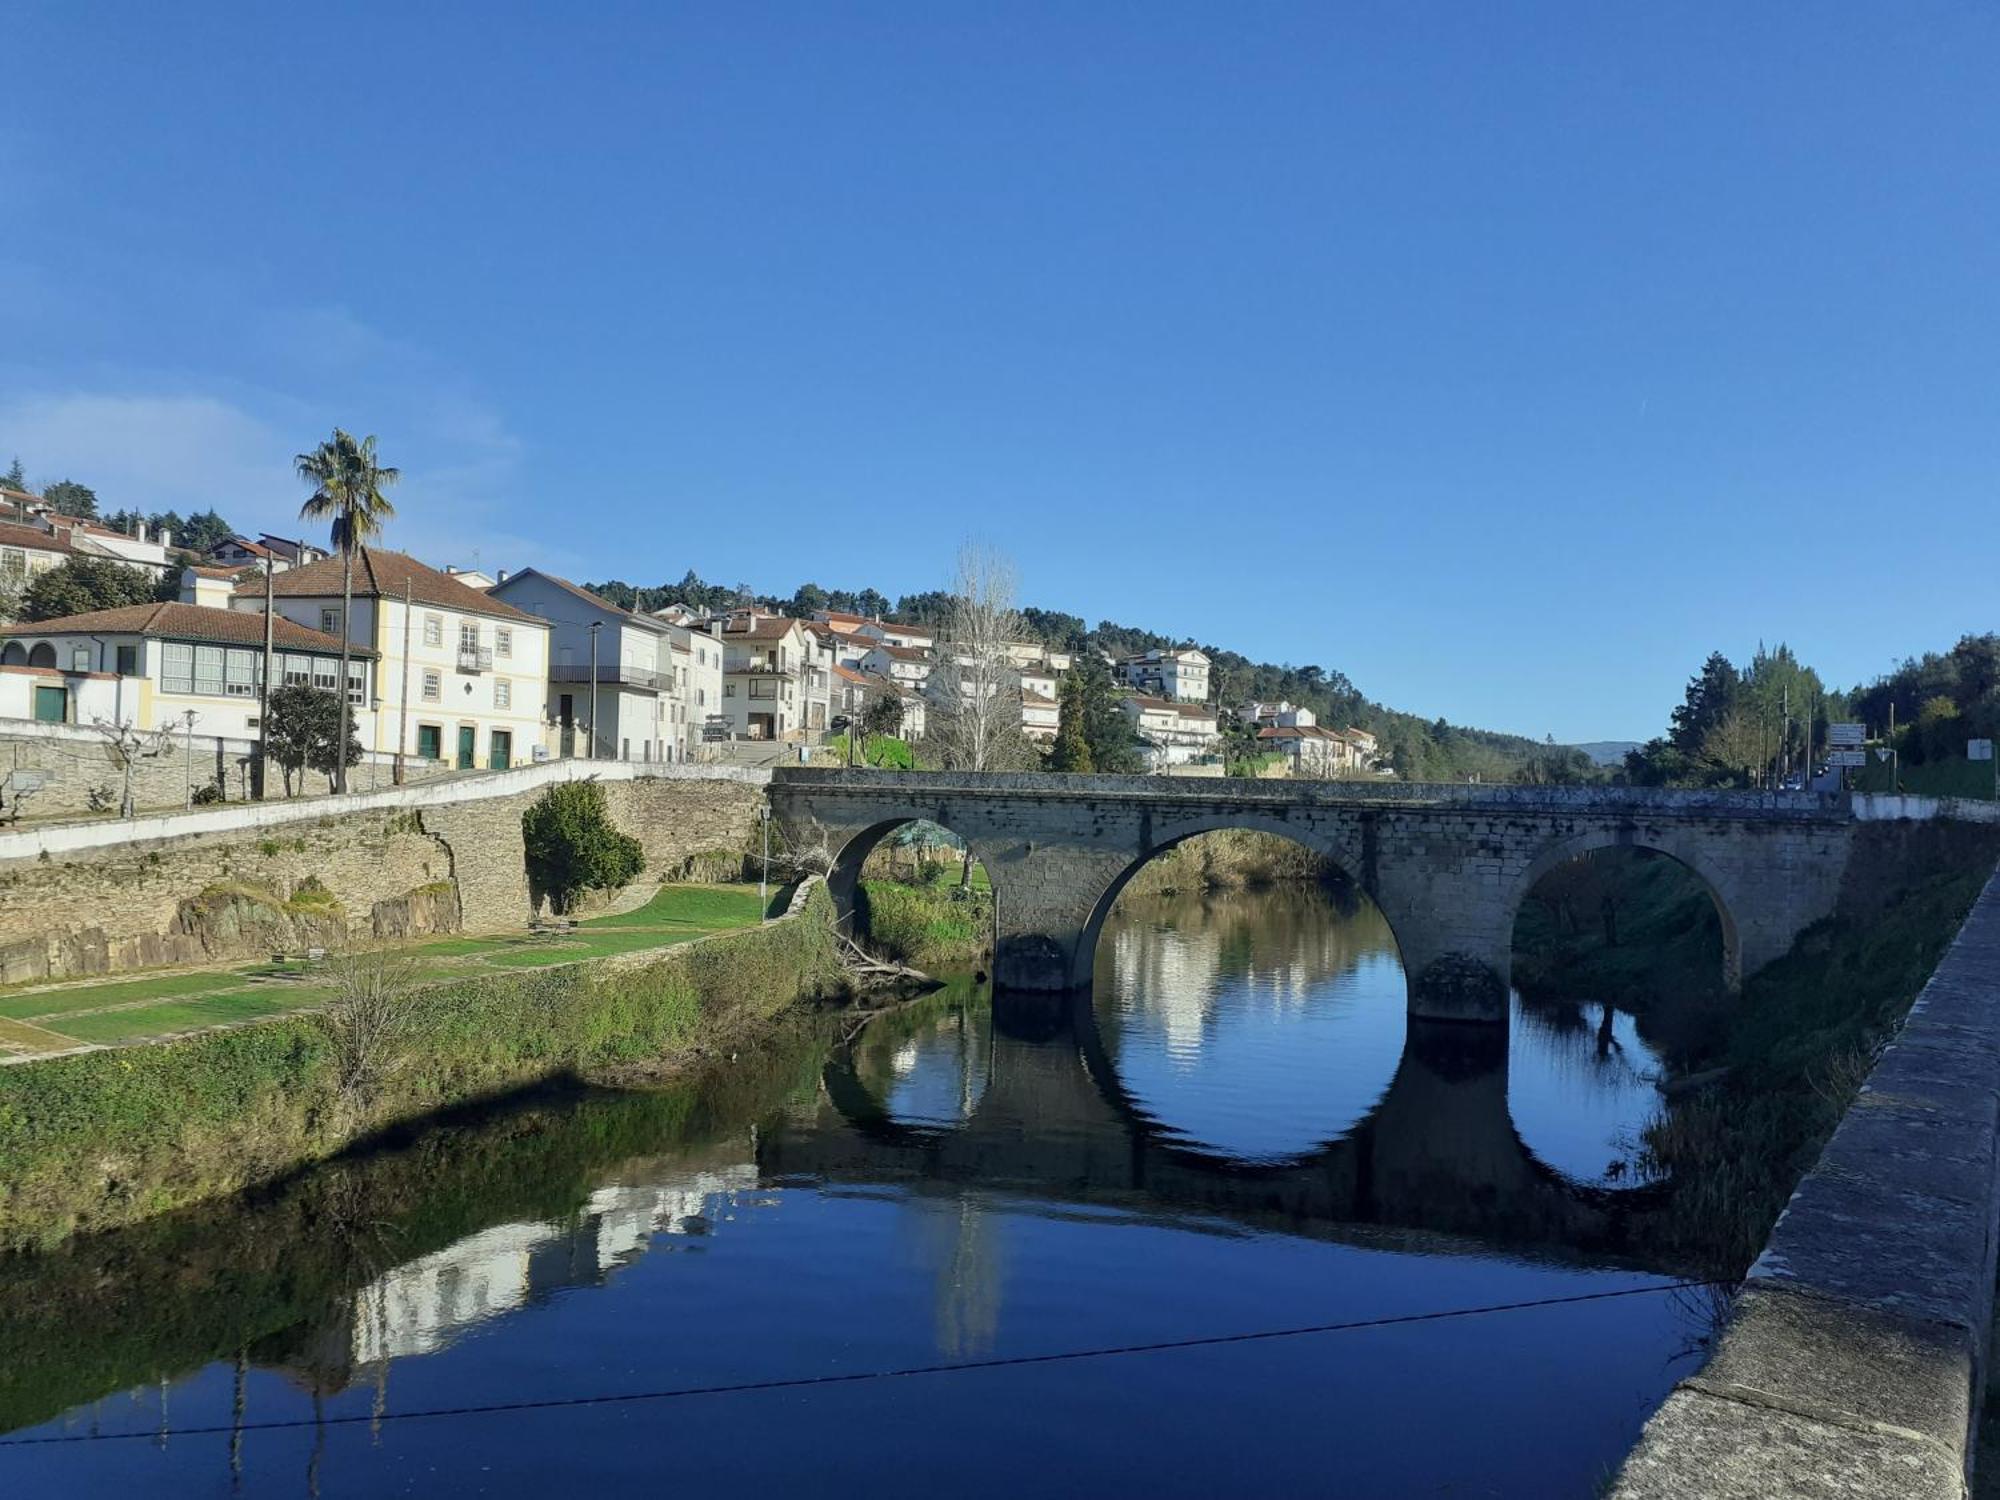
x: 503, y: 576
x: 166, y: 537
x: 139, y: 530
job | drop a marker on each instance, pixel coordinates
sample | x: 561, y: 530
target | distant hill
x: 1607, y: 752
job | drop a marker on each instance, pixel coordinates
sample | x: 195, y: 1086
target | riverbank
x: 1231, y: 859
x: 1761, y: 1084
x: 281, y: 1273
x: 104, y: 1138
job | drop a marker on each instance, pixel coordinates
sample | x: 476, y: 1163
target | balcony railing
x: 475, y: 658
x: 613, y: 674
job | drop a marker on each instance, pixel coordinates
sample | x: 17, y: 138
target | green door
x: 500, y: 750
x: 468, y: 747
x: 51, y: 705
x: 430, y: 742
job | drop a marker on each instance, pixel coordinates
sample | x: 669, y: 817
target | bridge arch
x: 1684, y: 851
x: 1083, y: 964
x: 843, y: 881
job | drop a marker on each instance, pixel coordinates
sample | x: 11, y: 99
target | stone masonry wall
x: 402, y: 864
x: 80, y: 762
x: 135, y: 906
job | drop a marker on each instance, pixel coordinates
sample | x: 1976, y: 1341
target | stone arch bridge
x: 1448, y: 865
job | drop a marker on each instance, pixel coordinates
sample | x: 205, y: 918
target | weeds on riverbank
x: 110, y: 1137
x: 1796, y: 1049
x: 934, y: 926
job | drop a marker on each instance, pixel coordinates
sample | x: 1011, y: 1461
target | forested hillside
x: 1418, y: 749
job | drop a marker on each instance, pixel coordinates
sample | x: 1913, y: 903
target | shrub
x: 573, y: 847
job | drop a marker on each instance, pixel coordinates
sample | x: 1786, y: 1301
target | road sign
x: 1847, y: 758
x: 1979, y: 749
x: 1846, y: 736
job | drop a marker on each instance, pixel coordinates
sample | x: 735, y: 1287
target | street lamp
x: 595, y: 626
x: 190, y: 715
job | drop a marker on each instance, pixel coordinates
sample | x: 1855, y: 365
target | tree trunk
x: 346, y: 636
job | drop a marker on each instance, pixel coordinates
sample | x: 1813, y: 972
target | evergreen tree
x: 1071, y: 751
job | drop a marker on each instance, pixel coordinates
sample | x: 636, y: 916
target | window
x: 298, y: 671
x: 329, y: 621
x: 326, y: 672
x: 430, y: 742
x: 357, y: 682
x: 79, y: 658
x: 503, y: 641
x: 433, y: 630
x: 208, y: 671
x: 468, y: 637
x: 128, y: 661
x: 701, y: 697
x: 240, y: 680
x: 177, y: 668
x: 729, y: 690
x: 433, y: 686
x: 503, y: 693
x: 761, y: 687
x: 13, y: 562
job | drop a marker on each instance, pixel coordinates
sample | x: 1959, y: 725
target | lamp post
x: 187, y: 758
x: 764, y: 874
x: 595, y: 626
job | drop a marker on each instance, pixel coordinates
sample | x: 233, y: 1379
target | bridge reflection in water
x: 1042, y: 1113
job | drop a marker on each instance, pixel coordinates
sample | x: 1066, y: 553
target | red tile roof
x: 382, y: 575
x: 188, y: 622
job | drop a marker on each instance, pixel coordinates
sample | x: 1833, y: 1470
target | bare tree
x: 975, y: 689
x: 375, y: 1009
x: 127, y: 745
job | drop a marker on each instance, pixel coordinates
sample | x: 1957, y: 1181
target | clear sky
x: 1508, y: 358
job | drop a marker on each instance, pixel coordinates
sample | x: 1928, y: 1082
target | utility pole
x: 264, y: 684
x: 595, y: 626
x: 764, y: 873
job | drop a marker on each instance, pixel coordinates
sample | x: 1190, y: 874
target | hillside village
x: 454, y: 669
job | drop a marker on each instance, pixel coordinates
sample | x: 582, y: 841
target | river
x: 1235, y: 1226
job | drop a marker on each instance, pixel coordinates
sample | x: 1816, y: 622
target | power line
x: 857, y: 1377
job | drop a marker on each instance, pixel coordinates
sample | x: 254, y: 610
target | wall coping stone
x: 1853, y: 1363
x: 242, y: 817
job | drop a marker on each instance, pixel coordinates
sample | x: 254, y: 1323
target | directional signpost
x: 1844, y: 747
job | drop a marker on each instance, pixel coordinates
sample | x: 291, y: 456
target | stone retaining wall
x: 97, y: 898
x: 1854, y: 1361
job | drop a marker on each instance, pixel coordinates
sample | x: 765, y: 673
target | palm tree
x: 347, y: 486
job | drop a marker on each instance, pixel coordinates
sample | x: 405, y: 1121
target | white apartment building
x: 614, y: 685
x: 697, y: 657
x: 907, y: 666
x: 459, y: 676
x: 777, y: 678
x: 1174, y: 734
x: 1180, y: 676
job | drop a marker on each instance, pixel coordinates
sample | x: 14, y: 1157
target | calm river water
x: 1118, y: 1217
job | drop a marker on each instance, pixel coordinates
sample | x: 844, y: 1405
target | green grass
x: 183, y: 1002
x: 712, y: 907
x: 22, y: 1007
x: 188, y: 1015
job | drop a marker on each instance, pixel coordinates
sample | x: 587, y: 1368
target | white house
x: 171, y: 659
x: 913, y: 637
x: 614, y: 689
x: 1311, y: 749
x: 777, y: 678
x: 854, y: 690
x: 460, y: 676
x: 697, y: 658
x: 1174, y: 734
x: 281, y: 552
x: 907, y: 666
x: 36, y: 539
x: 1181, y: 676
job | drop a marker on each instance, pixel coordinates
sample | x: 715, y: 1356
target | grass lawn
x: 50, y: 1017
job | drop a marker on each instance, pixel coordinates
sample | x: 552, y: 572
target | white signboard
x: 1979, y: 749
x: 1848, y: 758
x: 1846, y: 736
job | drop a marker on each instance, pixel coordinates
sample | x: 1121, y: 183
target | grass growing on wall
x: 110, y: 1137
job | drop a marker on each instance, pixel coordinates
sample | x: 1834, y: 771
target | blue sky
x: 1507, y: 358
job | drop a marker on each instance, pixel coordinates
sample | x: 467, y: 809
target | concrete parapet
x: 1854, y: 1362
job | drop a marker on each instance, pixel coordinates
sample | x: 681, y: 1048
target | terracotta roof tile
x: 382, y: 575
x: 188, y: 622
